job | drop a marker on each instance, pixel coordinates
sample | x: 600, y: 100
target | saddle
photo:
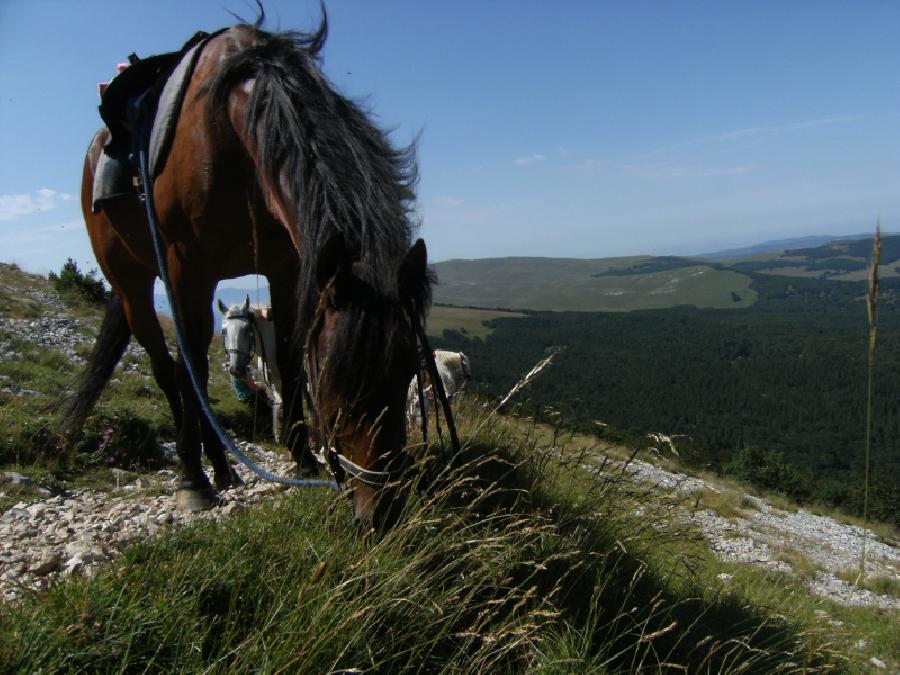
x: 144, y: 79
x: 156, y: 85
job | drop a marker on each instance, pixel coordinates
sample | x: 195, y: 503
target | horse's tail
x: 107, y: 352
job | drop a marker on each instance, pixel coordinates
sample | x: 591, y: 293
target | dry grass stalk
x: 533, y: 373
x: 872, y: 308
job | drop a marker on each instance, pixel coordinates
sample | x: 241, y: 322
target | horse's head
x: 363, y: 352
x: 237, y: 334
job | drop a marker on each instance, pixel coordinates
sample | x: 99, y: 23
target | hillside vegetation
x: 646, y: 282
x: 774, y: 394
x: 530, y: 551
x: 509, y: 558
x: 588, y: 285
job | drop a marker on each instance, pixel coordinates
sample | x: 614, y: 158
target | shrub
x: 73, y: 282
x: 768, y: 470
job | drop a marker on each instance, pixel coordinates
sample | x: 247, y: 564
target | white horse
x: 247, y: 331
x: 454, y: 369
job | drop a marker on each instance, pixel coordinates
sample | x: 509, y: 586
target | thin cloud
x: 530, y: 159
x: 664, y: 170
x: 58, y: 233
x: 750, y: 133
x: 13, y: 207
x: 448, y: 202
x: 62, y: 226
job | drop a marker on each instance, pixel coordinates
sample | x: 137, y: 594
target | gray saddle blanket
x: 114, y: 176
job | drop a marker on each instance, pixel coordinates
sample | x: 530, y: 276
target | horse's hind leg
x: 294, y: 433
x: 138, y: 305
x: 224, y: 474
x: 111, y: 342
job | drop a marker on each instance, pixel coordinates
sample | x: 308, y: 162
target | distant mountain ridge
x: 776, y: 245
x: 655, y: 282
x: 717, y: 280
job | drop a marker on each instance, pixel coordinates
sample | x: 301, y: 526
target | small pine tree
x: 72, y: 281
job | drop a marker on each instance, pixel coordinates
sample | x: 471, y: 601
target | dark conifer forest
x: 774, y: 394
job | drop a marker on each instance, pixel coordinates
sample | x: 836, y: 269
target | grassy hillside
x: 587, y: 285
x: 841, y: 260
x: 645, y: 282
x: 511, y: 557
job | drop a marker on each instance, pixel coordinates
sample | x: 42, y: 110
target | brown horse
x: 272, y: 171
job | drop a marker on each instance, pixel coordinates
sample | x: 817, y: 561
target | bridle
x: 233, y: 347
x: 341, y: 466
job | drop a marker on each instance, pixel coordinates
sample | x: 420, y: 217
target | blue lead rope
x: 243, y: 393
x: 140, y: 131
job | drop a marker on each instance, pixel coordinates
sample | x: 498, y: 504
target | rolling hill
x: 647, y: 282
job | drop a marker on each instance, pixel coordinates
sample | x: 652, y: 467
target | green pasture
x: 582, y: 286
x: 466, y: 320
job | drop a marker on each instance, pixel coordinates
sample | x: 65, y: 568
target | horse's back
x: 455, y: 367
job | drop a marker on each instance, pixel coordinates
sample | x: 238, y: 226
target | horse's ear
x: 333, y: 261
x: 222, y: 307
x: 413, y: 270
x: 246, y: 307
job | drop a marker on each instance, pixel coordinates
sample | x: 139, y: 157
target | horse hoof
x: 193, y: 500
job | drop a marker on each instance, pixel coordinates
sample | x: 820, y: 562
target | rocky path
x: 78, y: 532
x: 54, y: 329
x: 771, y: 538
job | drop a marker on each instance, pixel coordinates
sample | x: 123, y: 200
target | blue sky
x: 583, y: 129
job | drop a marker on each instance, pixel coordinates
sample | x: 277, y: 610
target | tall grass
x: 872, y: 310
x: 510, y: 557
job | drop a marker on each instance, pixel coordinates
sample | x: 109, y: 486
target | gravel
x: 79, y: 532
x: 768, y: 537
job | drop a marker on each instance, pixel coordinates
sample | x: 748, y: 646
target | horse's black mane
x: 333, y: 166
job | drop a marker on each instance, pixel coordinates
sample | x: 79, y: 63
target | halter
x: 340, y: 465
x: 251, y: 323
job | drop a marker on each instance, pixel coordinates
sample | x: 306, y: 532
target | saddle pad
x: 169, y: 108
x: 112, y: 178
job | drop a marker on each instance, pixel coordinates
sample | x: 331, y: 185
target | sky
x: 569, y: 129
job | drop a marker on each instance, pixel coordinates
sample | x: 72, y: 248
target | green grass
x: 466, y: 320
x: 880, y: 585
x: 568, y: 284
x: 506, y: 560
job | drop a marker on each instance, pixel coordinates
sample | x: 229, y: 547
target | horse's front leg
x: 195, y: 492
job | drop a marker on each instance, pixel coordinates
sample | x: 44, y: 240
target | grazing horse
x: 270, y: 170
x: 454, y: 370
x: 246, y: 332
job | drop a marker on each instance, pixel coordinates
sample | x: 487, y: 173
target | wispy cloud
x: 666, y: 170
x: 16, y: 206
x: 530, y: 159
x: 750, y: 133
x: 57, y: 234
x: 447, y: 202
